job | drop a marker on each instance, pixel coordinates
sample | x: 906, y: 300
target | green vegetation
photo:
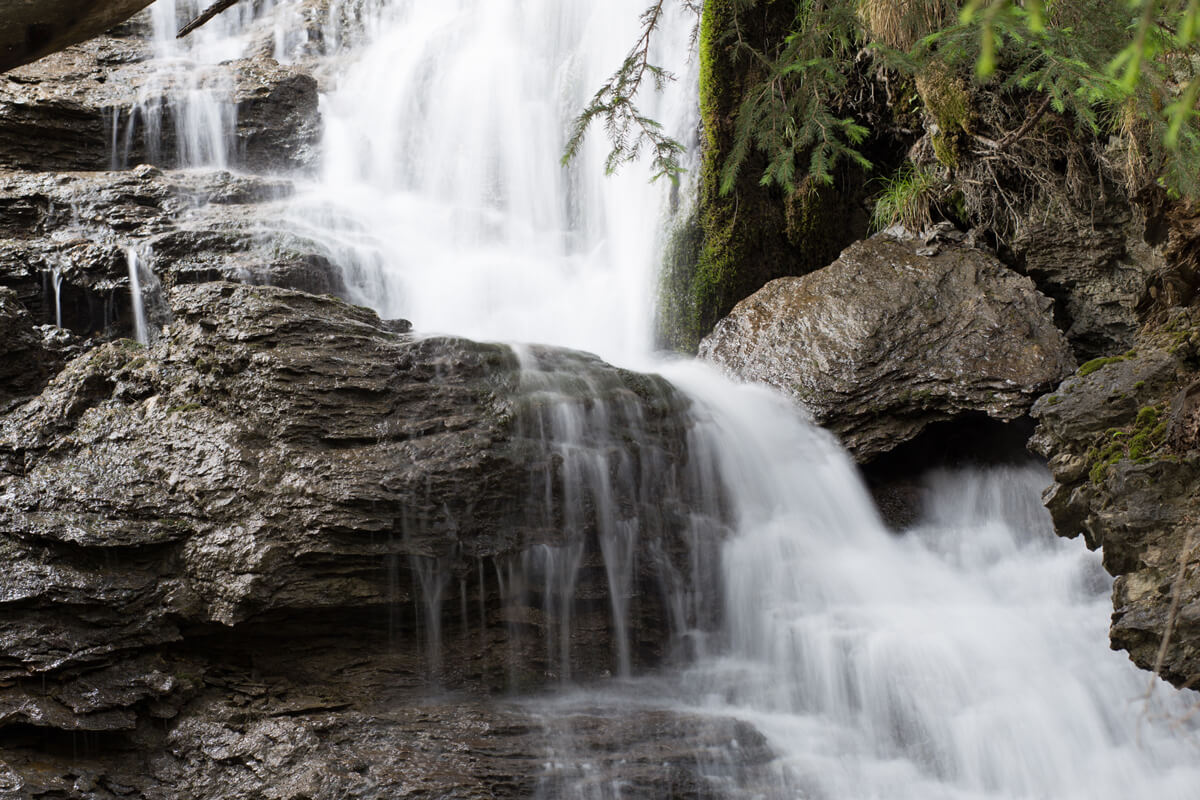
x: 990, y: 113
x: 1088, y: 367
x: 1140, y: 442
x: 907, y: 198
x: 1125, y: 71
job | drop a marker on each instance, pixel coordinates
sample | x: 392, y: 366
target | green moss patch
x: 1140, y: 442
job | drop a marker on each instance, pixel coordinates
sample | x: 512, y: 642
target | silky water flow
x: 965, y: 659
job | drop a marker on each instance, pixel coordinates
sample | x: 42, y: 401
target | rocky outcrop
x: 189, y: 227
x: 1121, y: 440
x: 884, y: 342
x: 283, y: 479
x: 71, y: 210
x: 105, y: 104
x: 31, y: 29
x: 1097, y: 266
x: 25, y: 367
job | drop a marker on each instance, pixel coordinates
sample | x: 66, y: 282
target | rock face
x: 188, y: 226
x: 104, y: 104
x: 283, y: 482
x: 1097, y: 266
x: 884, y: 341
x: 1121, y: 439
x: 24, y: 369
x: 73, y: 204
x: 30, y: 29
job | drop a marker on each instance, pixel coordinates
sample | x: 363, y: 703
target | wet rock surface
x: 284, y: 494
x: 103, y: 104
x: 24, y: 368
x: 884, y: 342
x: 89, y: 150
x: 1119, y: 436
x: 77, y: 227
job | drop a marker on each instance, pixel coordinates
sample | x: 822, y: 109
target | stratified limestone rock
x: 102, y: 104
x: 883, y: 342
x: 189, y: 226
x: 1120, y: 437
x: 287, y: 461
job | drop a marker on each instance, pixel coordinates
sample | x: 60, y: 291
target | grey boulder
x: 885, y: 341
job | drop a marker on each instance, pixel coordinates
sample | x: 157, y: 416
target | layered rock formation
x: 884, y: 341
x: 107, y: 100
x: 1122, y: 443
x: 283, y: 502
x: 70, y: 211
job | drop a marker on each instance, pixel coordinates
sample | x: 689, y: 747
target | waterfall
x: 964, y: 660
x: 56, y: 279
x: 140, y: 331
x: 143, y: 285
x: 442, y: 196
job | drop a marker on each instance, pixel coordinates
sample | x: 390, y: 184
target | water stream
x: 966, y: 659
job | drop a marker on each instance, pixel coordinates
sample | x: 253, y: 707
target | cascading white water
x: 143, y: 284
x: 964, y: 660
x: 56, y: 279
x: 140, y: 331
x: 442, y: 195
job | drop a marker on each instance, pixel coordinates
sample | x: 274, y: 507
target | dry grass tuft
x: 902, y: 23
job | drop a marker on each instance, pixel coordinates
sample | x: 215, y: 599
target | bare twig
x: 208, y: 14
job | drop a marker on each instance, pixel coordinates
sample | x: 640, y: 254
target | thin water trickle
x: 56, y: 279
x: 148, y: 307
x: 965, y: 660
x: 140, y: 331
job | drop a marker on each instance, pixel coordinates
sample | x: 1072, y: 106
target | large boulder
x: 1121, y: 439
x: 285, y: 465
x: 885, y: 341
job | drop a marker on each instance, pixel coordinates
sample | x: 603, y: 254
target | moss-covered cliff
x: 742, y: 238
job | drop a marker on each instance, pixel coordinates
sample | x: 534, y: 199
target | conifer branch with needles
x: 615, y: 105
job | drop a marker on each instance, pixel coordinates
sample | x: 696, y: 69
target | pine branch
x: 629, y: 130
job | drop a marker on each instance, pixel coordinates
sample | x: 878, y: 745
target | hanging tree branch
x: 629, y: 130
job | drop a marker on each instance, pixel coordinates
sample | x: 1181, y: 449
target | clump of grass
x: 908, y: 198
x: 902, y: 23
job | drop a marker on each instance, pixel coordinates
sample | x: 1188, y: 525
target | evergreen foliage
x: 1125, y: 73
x: 615, y: 105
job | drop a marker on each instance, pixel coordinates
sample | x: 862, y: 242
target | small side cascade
x: 140, y: 331
x: 433, y: 580
x: 56, y: 280
x: 631, y: 511
x: 184, y: 115
x: 143, y: 285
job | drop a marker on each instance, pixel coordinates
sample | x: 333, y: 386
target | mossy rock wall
x: 737, y: 242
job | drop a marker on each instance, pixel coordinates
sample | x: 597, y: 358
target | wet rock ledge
x: 285, y: 517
